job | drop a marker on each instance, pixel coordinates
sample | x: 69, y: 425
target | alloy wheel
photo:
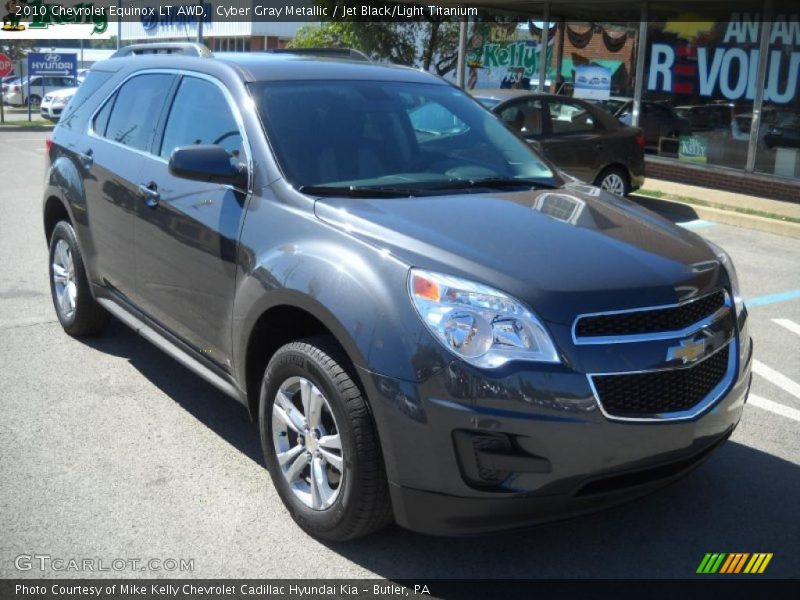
x: 613, y: 183
x: 307, y: 443
x: 63, y: 269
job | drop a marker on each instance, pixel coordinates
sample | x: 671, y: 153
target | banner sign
x: 720, y: 60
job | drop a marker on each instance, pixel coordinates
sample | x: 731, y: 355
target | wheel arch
x: 287, y: 318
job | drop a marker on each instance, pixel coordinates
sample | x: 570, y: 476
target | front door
x: 110, y: 161
x: 187, y: 232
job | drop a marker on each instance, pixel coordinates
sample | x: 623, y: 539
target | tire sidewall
x: 285, y: 364
x: 626, y: 185
x: 63, y: 231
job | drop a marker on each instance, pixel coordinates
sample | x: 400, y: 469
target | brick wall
x: 596, y: 49
x: 729, y: 180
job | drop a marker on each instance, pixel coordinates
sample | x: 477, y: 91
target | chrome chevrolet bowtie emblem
x: 687, y: 351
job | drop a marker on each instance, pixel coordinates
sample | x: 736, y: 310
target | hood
x: 61, y: 93
x: 564, y: 252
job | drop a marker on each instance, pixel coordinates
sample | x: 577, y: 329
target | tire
x: 614, y: 180
x: 34, y: 100
x: 351, y: 502
x: 77, y: 311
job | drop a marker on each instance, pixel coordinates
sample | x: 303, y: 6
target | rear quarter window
x: 78, y: 108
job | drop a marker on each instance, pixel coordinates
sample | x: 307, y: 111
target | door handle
x: 150, y: 193
x: 599, y: 145
x: 86, y: 159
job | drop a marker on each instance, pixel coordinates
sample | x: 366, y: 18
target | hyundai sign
x: 52, y: 63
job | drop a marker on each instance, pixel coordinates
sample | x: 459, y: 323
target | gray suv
x: 429, y: 324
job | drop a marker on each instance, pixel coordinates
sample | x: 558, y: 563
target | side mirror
x: 205, y: 162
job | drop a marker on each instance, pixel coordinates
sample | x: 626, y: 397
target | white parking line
x: 788, y: 324
x: 782, y: 381
x: 774, y: 407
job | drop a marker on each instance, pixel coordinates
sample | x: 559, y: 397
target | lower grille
x: 651, y: 394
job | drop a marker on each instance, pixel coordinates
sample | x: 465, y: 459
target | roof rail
x: 350, y: 53
x: 185, y: 48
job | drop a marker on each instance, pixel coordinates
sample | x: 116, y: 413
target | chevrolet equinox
x: 428, y: 322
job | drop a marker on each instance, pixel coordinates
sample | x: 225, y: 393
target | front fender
x: 356, y: 290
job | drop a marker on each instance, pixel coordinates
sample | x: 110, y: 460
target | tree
x: 431, y: 44
x: 17, y: 49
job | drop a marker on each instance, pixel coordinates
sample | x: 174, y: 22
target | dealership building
x: 716, y: 89
x: 217, y: 32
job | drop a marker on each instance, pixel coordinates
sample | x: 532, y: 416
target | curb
x: 7, y: 128
x: 668, y: 206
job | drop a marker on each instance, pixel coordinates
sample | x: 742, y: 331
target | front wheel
x: 320, y: 444
x: 614, y: 180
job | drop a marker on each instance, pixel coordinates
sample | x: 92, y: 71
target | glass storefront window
x: 778, y: 142
x: 699, y: 86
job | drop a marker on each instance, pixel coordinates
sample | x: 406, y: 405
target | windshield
x: 389, y: 135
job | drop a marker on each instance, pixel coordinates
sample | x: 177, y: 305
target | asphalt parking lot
x: 110, y: 449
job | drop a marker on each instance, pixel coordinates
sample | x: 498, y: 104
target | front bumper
x: 50, y: 112
x: 568, y: 458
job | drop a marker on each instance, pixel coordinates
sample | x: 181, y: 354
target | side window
x: 566, y: 117
x: 200, y: 114
x: 524, y: 117
x: 93, y: 82
x: 100, y: 122
x: 431, y: 120
x: 136, y: 109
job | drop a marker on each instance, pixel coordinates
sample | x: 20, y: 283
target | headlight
x: 477, y: 323
x: 60, y: 101
x: 727, y: 263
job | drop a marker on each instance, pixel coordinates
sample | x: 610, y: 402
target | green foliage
x: 17, y: 49
x: 429, y: 44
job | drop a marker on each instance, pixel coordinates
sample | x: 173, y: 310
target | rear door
x: 573, y: 138
x: 120, y: 133
x: 186, y: 236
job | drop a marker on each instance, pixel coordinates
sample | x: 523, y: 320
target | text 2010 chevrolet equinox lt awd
x: 428, y: 322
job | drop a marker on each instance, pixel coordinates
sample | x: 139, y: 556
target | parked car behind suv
x: 580, y: 138
x: 427, y: 325
x: 53, y: 104
x: 16, y: 93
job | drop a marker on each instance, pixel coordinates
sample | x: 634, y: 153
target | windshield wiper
x: 495, y: 182
x: 358, y: 191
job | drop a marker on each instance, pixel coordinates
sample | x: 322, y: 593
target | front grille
x: 637, y: 395
x: 651, y: 321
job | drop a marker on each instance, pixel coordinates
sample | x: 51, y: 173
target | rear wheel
x: 34, y: 100
x: 320, y: 444
x: 77, y: 311
x: 614, y: 180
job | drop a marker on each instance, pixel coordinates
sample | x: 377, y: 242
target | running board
x: 171, y: 349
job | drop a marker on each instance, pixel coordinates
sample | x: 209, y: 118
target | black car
x: 430, y: 326
x: 578, y: 137
x: 658, y: 120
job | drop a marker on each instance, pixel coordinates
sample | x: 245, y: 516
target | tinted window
x: 566, y: 117
x: 91, y: 84
x: 135, y: 112
x: 433, y: 119
x: 524, y: 117
x: 200, y: 114
x: 368, y: 133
